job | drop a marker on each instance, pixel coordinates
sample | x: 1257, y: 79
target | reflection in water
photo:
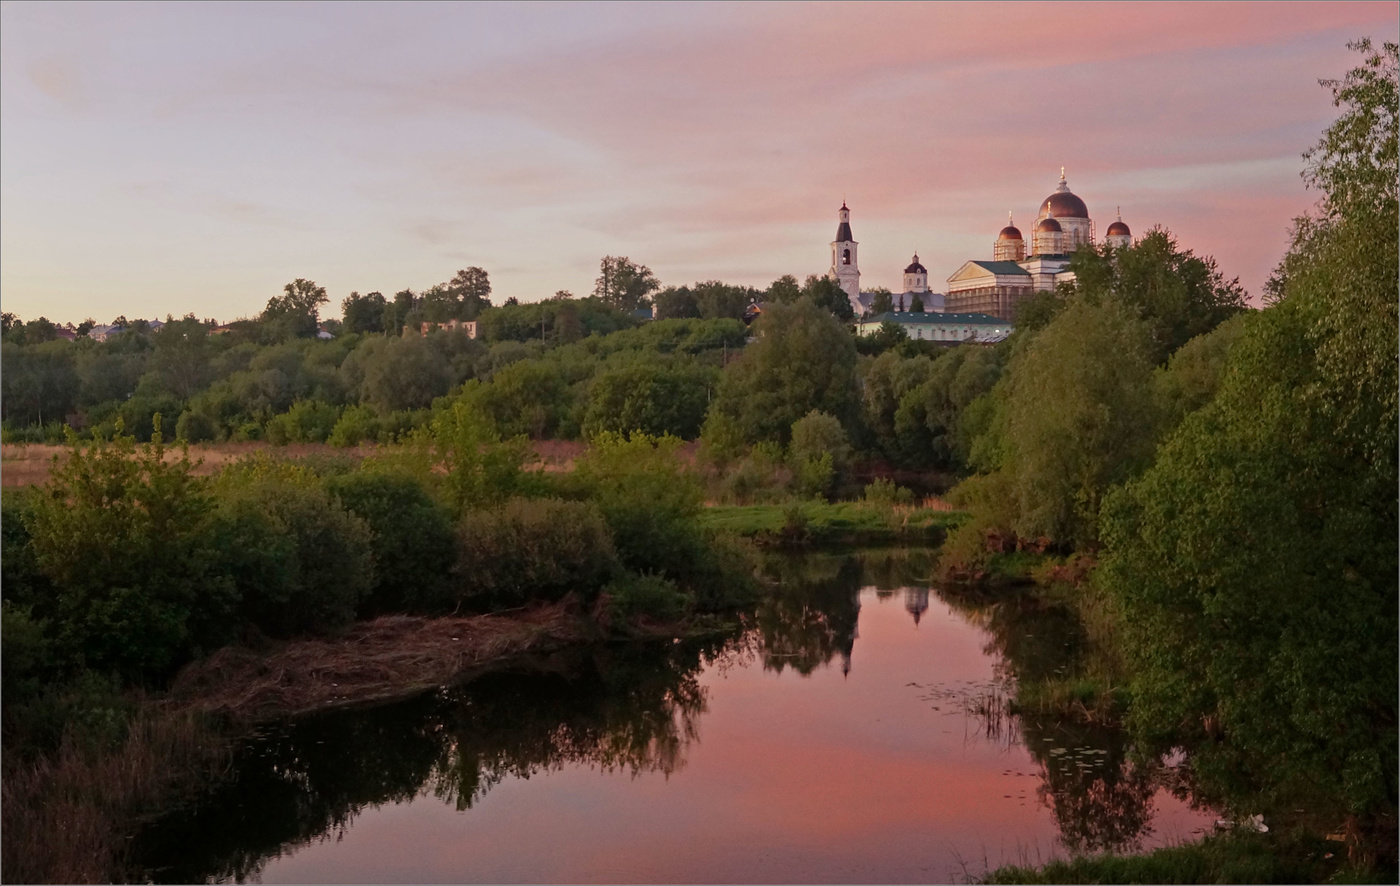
x: 632, y: 709
x: 637, y: 709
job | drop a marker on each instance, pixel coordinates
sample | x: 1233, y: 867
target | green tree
x: 651, y: 397
x: 820, y: 452
x: 803, y: 360
x: 623, y: 284
x: 784, y: 290
x: 364, y: 313
x: 1178, y: 294
x: 916, y: 304
x: 717, y: 300
x: 294, y: 313
x: 676, y: 303
x: 1254, y: 565
x: 471, y: 291
x: 123, y: 535
x: 1076, y: 417
x: 882, y: 301
x: 826, y: 293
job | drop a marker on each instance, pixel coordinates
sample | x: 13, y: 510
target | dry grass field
x: 28, y: 464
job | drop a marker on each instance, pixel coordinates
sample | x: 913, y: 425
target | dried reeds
x: 66, y: 816
x: 390, y: 657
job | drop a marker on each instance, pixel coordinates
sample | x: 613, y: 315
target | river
x: 854, y: 731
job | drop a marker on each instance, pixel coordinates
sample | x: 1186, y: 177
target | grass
x: 827, y: 522
x: 66, y: 816
x: 1223, y: 858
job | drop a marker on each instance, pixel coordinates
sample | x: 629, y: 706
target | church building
x: 996, y: 287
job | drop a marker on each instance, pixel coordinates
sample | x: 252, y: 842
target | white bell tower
x: 844, y: 267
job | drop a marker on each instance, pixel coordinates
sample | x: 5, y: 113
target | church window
x: 845, y: 256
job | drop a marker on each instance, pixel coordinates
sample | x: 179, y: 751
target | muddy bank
x: 389, y: 658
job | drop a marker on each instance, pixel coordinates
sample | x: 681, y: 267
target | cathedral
x: 1016, y: 272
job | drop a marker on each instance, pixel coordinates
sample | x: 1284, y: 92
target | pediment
x: 970, y: 271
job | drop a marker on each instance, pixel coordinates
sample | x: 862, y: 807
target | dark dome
x: 1118, y: 229
x: 1048, y: 225
x: 1063, y: 204
x: 916, y: 268
x: 1010, y: 232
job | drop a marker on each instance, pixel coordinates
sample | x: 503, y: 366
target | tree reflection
x: 810, y: 617
x: 1101, y: 799
x: 632, y: 710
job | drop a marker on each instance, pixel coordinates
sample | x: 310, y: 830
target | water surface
x: 852, y: 733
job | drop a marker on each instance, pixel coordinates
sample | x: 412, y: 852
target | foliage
x: 1255, y: 562
x: 652, y: 397
x: 631, y: 595
x: 820, y: 453
x: 649, y: 498
x: 623, y: 284
x: 411, y: 540
x: 527, y: 550
x: 307, y: 421
x: 294, y: 313
x: 827, y: 294
x: 301, y: 561
x: 123, y: 536
x: 1177, y: 294
x: 1194, y: 373
x: 920, y: 408
x: 803, y: 360
x: 1075, y: 417
x: 364, y: 313
x: 481, y: 468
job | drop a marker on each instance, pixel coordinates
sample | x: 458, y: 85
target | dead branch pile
x: 390, y: 657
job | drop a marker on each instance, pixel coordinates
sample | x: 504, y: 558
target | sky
x: 193, y: 158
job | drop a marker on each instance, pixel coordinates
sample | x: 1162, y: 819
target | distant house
x: 643, y: 314
x: 467, y: 326
x: 102, y: 333
x: 926, y: 326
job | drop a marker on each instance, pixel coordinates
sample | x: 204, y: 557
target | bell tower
x: 844, y: 268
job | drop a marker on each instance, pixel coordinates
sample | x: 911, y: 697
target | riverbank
x: 834, y: 523
x: 97, y: 789
x: 1221, y: 858
x: 372, y: 662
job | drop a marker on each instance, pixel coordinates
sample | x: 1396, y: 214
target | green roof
x: 1003, y: 267
x: 907, y: 317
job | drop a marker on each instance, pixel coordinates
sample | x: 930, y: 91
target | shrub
x: 123, y: 536
x: 649, y: 499
x: 528, y: 550
x: 412, y: 540
x: 308, y: 421
x: 356, y: 424
x: 631, y: 595
x: 884, y: 492
x: 301, y: 561
x: 815, y: 476
x: 195, y: 427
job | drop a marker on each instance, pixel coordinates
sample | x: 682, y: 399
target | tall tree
x: 294, y: 313
x: 471, y: 287
x: 624, y: 284
x: 364, y: 313
x: 803, y: 360
x: 828, y: 295
x: 1254, y: 565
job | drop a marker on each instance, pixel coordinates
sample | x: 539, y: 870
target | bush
x: 356, y: 425
x: 631, y: 595
x: 885, y: 493
x: 308, y: 421
x: 649, y: 500
x: 123, y: 536
x: 195, y: 427
x: 412, y: 540
x: 529, y: 550
x: 300, y: 560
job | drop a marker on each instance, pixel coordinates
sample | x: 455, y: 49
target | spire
x: 1009, y: 220
x: 1063, y: 186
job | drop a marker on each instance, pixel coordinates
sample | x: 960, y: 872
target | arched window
x: 845, y: 256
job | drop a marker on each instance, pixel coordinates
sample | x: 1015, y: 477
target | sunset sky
x: 173, y: 158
